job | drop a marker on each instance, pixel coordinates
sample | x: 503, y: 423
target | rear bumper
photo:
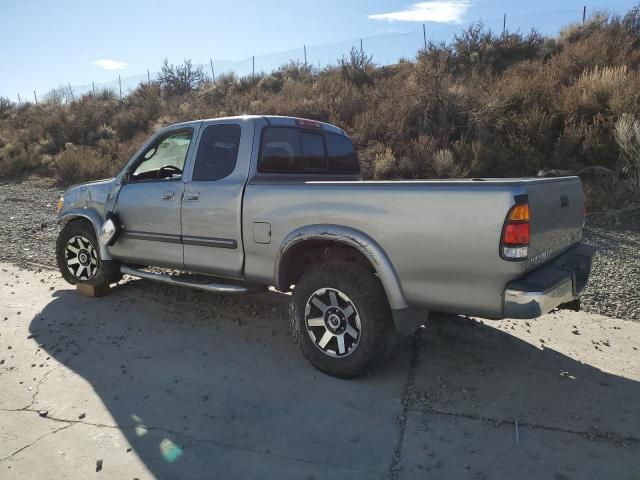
x: 560, y: 281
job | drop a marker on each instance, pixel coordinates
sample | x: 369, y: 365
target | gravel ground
x: 28, y: 232
x: 28, y: 227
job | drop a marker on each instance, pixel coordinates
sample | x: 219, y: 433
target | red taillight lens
x: 516, y: 234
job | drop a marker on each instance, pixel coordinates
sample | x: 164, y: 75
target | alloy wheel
x: 332, y: 322
x: 81, y: 258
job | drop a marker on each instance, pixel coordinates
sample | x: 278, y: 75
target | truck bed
x: 441, y: 236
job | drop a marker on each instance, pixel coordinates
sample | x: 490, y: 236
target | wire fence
x: 386, y: 49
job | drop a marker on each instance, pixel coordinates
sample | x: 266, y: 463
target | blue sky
x: 46, y: 44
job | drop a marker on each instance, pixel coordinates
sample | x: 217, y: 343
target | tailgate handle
x: 564, y: 201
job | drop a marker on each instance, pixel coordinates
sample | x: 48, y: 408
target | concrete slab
x: 477, y: 369
x: 444, y: 447
x: 162, y: 382
x: 230, y: 393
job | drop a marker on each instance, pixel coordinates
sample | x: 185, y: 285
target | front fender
x: 95, y: 219
x: 354, y: 238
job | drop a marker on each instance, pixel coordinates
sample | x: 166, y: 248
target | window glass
x: 296, y: 150
x: 313, y: 151
x: 164, y: 160
x: 217, y: 152
x: 341, y: 155
x: 281, y: 150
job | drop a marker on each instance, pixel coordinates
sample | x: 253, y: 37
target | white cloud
x: 111, y: 64
x: 451, y: 11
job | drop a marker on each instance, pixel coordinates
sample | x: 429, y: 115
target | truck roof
x: 273, y: 120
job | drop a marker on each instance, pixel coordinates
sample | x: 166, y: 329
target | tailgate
x: 557, y: 217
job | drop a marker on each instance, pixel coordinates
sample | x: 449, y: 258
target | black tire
x: 364, y: 291
x: 96, y: 272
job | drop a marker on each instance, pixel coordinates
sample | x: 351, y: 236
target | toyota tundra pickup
x: 241, y: 202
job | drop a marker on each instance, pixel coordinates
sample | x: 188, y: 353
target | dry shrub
x: 445, y: 166
x: 17, y: 159
x: 600, y: 90
x: 384, y: 164
x: 627, y: 133
x: 77, y: 164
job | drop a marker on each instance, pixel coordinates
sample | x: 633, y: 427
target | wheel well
x: 80, y: 220
x: 310, y: 253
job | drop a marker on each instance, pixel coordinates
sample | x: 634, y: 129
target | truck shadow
x: 203, y: 385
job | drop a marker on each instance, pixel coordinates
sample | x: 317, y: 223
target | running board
x: 171, y: 280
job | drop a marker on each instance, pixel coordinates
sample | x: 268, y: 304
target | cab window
x: 217, y: 152
x: 296, y: 150
x: 165, y: 159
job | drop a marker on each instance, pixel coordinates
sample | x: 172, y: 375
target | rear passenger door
x: 212, y: 201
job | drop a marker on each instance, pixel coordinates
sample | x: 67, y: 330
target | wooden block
x: 91, y: 291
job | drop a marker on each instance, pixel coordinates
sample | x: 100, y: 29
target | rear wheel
x: 78, y: 256
x: 341, y: 320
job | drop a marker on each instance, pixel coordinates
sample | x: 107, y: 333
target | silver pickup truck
x: 277, y: 201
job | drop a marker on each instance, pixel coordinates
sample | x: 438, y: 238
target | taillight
x: 516, y: 233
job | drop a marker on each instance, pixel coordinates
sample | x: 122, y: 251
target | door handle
x: 192, y: 197
x: 168, y: 195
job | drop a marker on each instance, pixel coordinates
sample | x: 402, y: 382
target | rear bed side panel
x: 441, y: 237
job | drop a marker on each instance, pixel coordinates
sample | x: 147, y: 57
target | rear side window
x: 340, y: 153
x: 313, y: 154
x: 294, y: 150
x: 281, y: 150
x: 217, y: 152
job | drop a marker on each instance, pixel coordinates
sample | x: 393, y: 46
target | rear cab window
x: 298, y: 150
x: 217, y: 152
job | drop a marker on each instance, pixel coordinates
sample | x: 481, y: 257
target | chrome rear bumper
x: 550, y: 286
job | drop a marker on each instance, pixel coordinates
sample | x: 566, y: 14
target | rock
x: 98, y: 465
x: 43, y: 413
x: 575, y: 332
x: 81, y: 416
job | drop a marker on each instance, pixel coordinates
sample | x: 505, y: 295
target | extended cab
x: 279, y: 201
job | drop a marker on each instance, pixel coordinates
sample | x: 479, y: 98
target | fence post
x: 253, y: 67
x: 213, y: 75
x: 71, y: 92
x: 35, y: 97
x: 504, y: 23
x: 19, y: 100
x: 361, y: 45
x: 584, y: 14
x: 424, y: 36
x: 120, y: 85
x: 305, y: 55
x: 93, y: 88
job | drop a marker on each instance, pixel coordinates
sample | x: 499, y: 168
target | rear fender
x: 354, y: 238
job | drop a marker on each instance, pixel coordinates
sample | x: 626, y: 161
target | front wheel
x: 78, y: 256
x: 341, y: 320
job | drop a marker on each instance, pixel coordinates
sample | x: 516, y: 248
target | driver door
x: 149, y: 202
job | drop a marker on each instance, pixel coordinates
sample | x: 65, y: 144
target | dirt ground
x: 158, y: 382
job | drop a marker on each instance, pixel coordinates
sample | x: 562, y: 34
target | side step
x: 173, y: 280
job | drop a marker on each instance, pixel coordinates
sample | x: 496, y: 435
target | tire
x: 341, y: 299
x: 78, y: 256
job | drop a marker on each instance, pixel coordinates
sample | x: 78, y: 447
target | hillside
x: 482, y: 105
